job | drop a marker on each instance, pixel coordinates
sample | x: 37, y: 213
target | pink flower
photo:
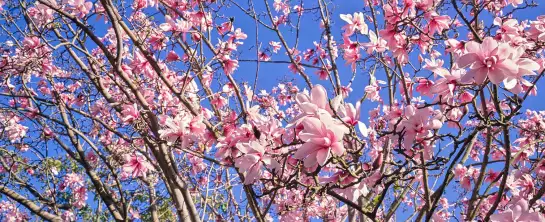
x: 136, y: 165
x: 16, y: 132
x: 507, y: 27
x: 80, y: 196
x: 537, y: 28
x: 418, y: 124
x: 275, y: 46
x: 424, y: 86
x: 172, y: 56
x: 68, y: 216
x: 264, y: 57
x: 251, y: 162
x: 183, y: 128
x: 436, y: 66
x: 350, y: 114
x: 489, y: 59
x: 322, y: 138
x: 460, y: 171
x: 444, y: 87
x: 310, y: 105
x: 80, y: 6
x: 354, y: 23
x: 130, y: 113
x: 517, y: 211
x: 178, y: 26
x: 352, y: 56
x: 454, y: 46
x: 225, y: 27
x: 31, y: 42
x: 436, y: 23
x: 281, y: 5
x: 140, y: 4
x: 322, y: 74
x: 465, y: 182
x: 375, y: 43
x: 219, y: 101
x: 515, y: 3
x: 515, y: 82
x: 373, y: 90
x: 158, y: 41
x: 229, y: 65
x: 48, y: 133
x: 72, y: 181
x: 42, y: 14
x: 238, y: 35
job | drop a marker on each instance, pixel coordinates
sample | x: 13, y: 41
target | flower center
x: 490, y: 61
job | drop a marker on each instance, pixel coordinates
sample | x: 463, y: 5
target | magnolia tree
x: 378, y: 110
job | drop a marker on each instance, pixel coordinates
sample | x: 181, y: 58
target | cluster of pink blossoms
x: 498, y: 61
x: 77, y: 187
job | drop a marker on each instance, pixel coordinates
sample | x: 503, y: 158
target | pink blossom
x: 460, y: 171
x: 229, y: 65
x: 311, y: 105
x: 537, y: 28
x: 322, y: 138
x: 225, y: 27
x: 16, y: 132
x: 424, y: 86
x: 372, y: 91
x: 178, y: 26
x: 354, y: 23
x: 80, y: 6
x: 238, y: 35
x: 322, y: 74
x: 68, y: 215
x: 489, y: 59
x: 136, y: 165
x: 351, y: 57
x: 183, y: 128
x: 436, y: 66
x: 140, y: 4
x: 264, y: 57
x: 172, y: 56
x: 518, y: 211
x: 275, y: 46
x: 280, y: 5
x: 42, y: 14
x: 437, y: 23
x: 514, y: 82
x: 375, y: 44
x: 444, y: 87
x: 252, y: 160
x: 418, y: 124
x: 158, y: 41
x: 80, y: 196
x: 130, y: 113
x: 219, y: 101
x: 454, y: 46
x: 350, y: 114
x: 31, y: 42
x: 515, y: 3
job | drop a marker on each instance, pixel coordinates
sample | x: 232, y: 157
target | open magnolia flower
x: 322, y: 137
x: 518, y: 212
x: 488, y: 59
x: 252, y: 160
